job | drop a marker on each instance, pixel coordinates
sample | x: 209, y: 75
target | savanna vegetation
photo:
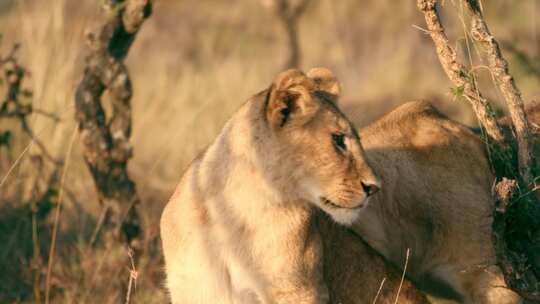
x: 191, y: 65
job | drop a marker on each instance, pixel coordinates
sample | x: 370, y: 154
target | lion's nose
x: 370, y: 188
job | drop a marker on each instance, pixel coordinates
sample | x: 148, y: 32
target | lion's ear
x: 325, y: 81
x: 290, y: 100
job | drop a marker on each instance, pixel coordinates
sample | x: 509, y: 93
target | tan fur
x: 435, y: 200
x: 240, y: 226
x: 325, y: 81
x: 357, y: 274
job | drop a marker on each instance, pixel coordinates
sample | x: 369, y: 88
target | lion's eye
x: 339, y: 141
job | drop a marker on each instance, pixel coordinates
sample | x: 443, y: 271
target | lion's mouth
x: 331, y: 204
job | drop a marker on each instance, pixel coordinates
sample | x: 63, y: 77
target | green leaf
x: 458, y: 91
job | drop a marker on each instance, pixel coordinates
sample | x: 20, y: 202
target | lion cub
x: 239, y: 227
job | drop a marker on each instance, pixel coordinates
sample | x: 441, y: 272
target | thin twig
x: 40, y: 145
x: 57, y: 220
x: 403, y: 275
x: 52, y: 116
x: 36, y: 251
x: 379, y: 291
x: 15, y: 163
x: 11, y: 54
x: 100, y: 222
x: 133, y: 275
x: 26, y: 149
x: 421, y: 29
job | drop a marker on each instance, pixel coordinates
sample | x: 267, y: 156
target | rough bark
x: 106, y: 146
x: 499, y: 67
x: 458, y: 74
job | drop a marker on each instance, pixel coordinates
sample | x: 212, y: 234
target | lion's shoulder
x: 418, y: 124
x: 406, y: 115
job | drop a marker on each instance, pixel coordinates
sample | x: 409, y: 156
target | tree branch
x: 499, y: 67
x: 458, y: 74
x: 12, y: 107
x: 106, y: 146
x: 288, y: 14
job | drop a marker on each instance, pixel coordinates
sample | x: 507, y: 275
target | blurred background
x: 193, y: 63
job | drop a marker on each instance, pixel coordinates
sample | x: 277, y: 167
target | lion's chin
x: 342, y: 215
x: 335, y: 205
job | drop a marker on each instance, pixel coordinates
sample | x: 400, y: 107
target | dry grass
x: 194, y: 63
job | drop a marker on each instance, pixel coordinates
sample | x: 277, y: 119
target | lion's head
x: 323, y: 152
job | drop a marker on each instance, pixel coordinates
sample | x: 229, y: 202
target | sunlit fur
x: 237, y: 229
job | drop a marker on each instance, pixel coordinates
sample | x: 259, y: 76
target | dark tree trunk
x: 106, y: 146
